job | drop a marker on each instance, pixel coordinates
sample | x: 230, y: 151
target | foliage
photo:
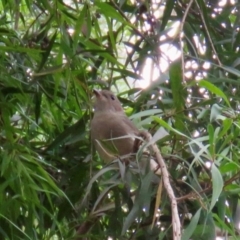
x: 53, y: 53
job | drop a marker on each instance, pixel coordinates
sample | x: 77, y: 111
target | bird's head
x: 105, y: 100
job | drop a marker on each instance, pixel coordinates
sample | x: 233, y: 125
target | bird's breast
x: 116, y: 130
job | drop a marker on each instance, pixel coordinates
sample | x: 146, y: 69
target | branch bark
x: 165, y: 175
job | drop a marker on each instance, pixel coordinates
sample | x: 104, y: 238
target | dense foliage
x: 53, y: 53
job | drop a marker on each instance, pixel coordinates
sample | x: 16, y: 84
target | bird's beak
x: 96, y: 93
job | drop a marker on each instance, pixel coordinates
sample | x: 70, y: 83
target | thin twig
x: 165, y: 176
x: 180, y: 40
x: 196, y: 195
x: 208, y: 34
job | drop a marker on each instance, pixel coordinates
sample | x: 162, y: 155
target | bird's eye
x: 112, y: 97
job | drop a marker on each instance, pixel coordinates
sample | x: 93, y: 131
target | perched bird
x: 112, y: 133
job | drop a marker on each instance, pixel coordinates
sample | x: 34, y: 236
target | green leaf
x: 213, y: 89
x: 227, y: 123
x: 167, y: 126
x: 167, y: 13
x: 175, y: 73
x: 225, y: 226
x: 229, y: 167
x: 217, y: 185
x: 187, y: 233
x: 109, y: 11
x: 211, y: 139
x: 141, y: 201
x: 80, y: 24
x: 216, y: 113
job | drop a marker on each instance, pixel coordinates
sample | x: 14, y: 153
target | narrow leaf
x: 213, y: 89
x: 217, y: 185
x: 192, y: 226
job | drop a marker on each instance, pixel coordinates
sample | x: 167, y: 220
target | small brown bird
x: 112, y: 133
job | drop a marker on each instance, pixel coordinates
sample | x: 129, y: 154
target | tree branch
x: 165, y: 175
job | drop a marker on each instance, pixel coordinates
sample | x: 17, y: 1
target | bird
x: 114, y: 135
x: 112, y: 132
